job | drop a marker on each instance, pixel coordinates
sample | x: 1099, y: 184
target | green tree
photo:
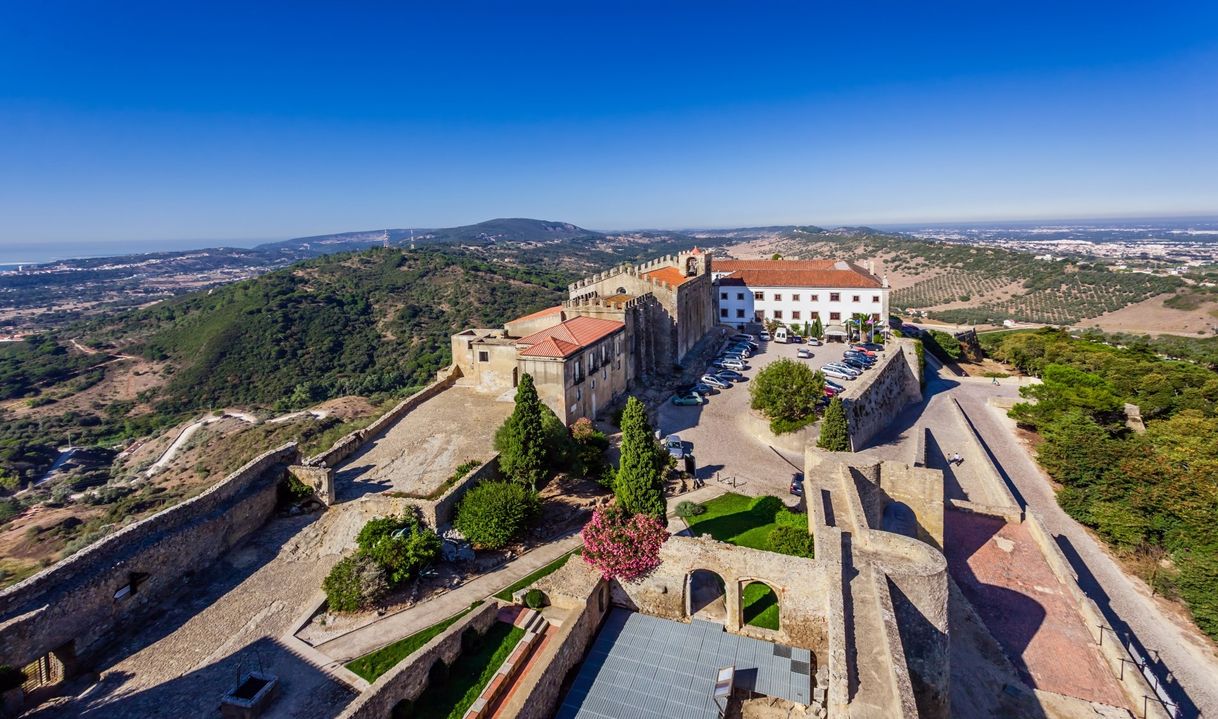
x: 834, y: 434
x: 640, y: 477
x: 494, y: 513
x: 786, y: 392
x: 356, y: 582
x: 521, y: 440
x: 818, y: 329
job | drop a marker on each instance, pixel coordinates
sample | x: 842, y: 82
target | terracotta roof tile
x: 567, y: 338
x: 668, y: 275
x: 539, y: 314
x: 797, y: 273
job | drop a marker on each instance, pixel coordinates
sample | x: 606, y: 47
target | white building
x: 797, y: 291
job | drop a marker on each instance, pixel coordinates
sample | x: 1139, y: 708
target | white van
x: 782, y: 335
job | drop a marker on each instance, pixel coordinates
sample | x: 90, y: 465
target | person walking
x: 994, y: 381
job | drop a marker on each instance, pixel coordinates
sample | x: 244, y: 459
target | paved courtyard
x: 651, y: 668
x: 718, y: 433
x: 418, y: 453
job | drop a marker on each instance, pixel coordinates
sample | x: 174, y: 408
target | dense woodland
x: 1153, y: 495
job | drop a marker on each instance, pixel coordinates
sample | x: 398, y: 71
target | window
x: 835, y: 316
x: 854, y: 299
x: 794, y: 314
x: 795, y: 298
x: 835, y: 297
x: 777, y: 314
x: 759, y: 315
x: 740, y: 296
x: 723, y: 312
x: 617, y: 345
x: 740, y: 314
x: 723, y: 295
x: 875, y: 298
x: 778, y: 297
x: 579, y: 394
x: 484, y: 356
x: 759, y: 295
x: 816, y: 315
x: 816, y: 298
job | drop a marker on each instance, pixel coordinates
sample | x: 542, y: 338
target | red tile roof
x: 539, y: 314
x: 567, y: 338
x: 796, y: 273
x: 668, y: 275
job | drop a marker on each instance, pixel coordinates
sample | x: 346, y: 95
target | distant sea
x: 14, y: 254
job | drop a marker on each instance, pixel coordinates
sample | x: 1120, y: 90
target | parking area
x: 721, y: 435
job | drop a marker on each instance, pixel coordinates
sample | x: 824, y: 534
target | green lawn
x: 468, y: 675
x: 745, y: 521
x: 760, y: 606
x: 506, y: 594
x: 371, y: 666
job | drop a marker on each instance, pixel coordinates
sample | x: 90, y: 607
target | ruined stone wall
x: 878, y: 396
x: 348, y: 445
x: 921, y: 490
x: 408, y: 680
x: 584, y: 597
x: 802, y: 587
x: 89, y: 598
x: 440, y: 511
x: 319, y: 479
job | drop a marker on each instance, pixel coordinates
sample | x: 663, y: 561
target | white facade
x: 740, y: 304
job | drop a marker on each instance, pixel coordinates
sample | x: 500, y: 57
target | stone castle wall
x: 408, y: 680
x: 876, y: 398
x: 91, y: 596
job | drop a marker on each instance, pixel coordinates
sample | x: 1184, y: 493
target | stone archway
x: 759, y: 605
x: 706, y: 596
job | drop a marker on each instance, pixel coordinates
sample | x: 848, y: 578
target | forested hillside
x: 1153, y: 495
x: 364, y: 323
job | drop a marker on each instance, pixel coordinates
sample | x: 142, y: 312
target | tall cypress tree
x: 834, y: 434
x: 640, y: 476
x: 521, y: 439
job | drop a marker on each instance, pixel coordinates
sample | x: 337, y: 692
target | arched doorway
x: 759, y: 605
x: 705, y: 596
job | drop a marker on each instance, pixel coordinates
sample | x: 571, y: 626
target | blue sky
x: 155, y: 122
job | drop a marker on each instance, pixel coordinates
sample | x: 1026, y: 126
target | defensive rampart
x: 408, y: 680
x: 74, y: 606
x: 879, y: 395
x: 349, y: 444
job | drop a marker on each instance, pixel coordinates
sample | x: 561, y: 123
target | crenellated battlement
x: 594, y: 300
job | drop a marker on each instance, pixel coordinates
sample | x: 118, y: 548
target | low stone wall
x: 998, y: 492
x: 759, y: 427
x: 350, y: 443
x: 1135, y: 685
x: 583, y: 596
x: 408, y: 680
x: 90, y: 596
x: 440, y: 511
x: 878, y: 396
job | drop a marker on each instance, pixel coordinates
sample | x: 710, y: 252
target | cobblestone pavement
x: 718, y: 434
x: 418, y: 453
x: 227, y: 621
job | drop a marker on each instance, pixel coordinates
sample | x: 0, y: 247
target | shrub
x: 356, y: 582
x: 834, y: 433
x: 790, y: 540
x: 786, y: 392
x: 690, y: 509
x: 494, y: 513
x: 590, y: 443
x: 534, y: 599
x: 400, y: 545
x: 621, y: 545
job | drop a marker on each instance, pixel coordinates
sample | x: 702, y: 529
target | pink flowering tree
x: 621, y: 545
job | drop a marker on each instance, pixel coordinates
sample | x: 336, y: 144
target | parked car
x: 862, y: 349
x: 855, y: 364
x: 714, y: 381
x: 675, y: 447
x: 764, y: 336
x: 870, y: 346
x: 688, y: 398
x: 861, y: 359
x: 803, y: 353
x: 797, y: 339
x: 834, y: 385
x: 836, y: 373
x: 839, y: 367
x: 703, y: 389
x: 782, y: 335
x: 830, y: 391
x: 730, y: 375
x: 730, y: 363
x: 797, y: 488
x: 814, y: 342
x: 739, y: 350
x: 743, y: 337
